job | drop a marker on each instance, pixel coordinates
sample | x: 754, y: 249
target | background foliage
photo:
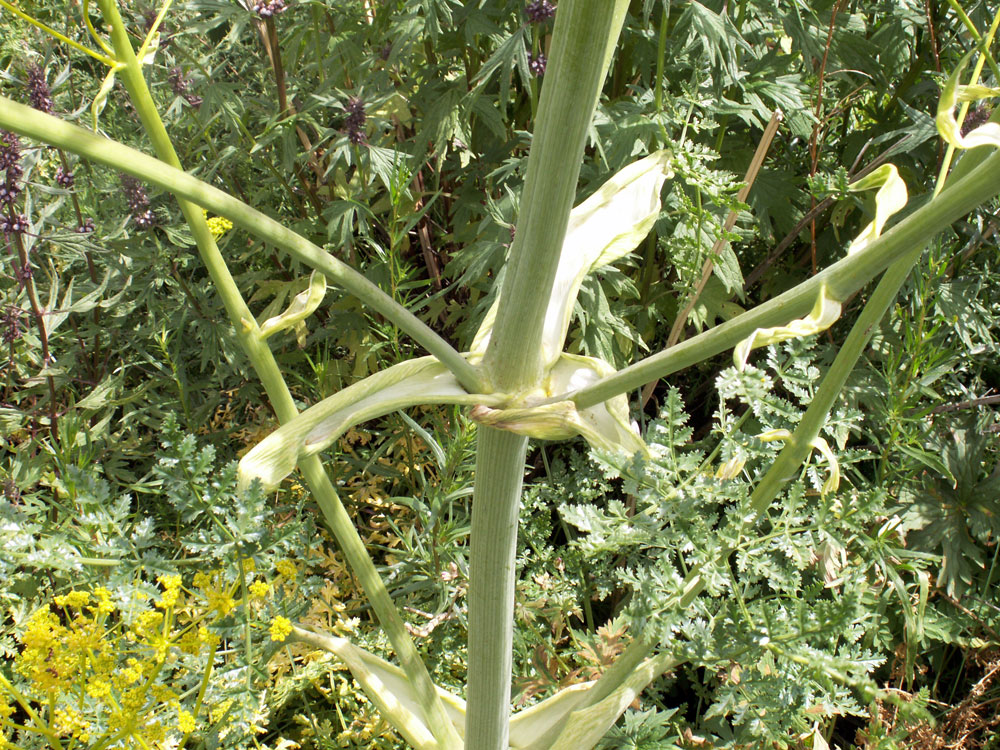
x: 395, y: 134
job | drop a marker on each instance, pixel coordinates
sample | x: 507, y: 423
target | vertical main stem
x: 495, y: 505
x: 583, y: 41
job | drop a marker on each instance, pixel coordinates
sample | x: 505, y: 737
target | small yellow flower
x: 133, y: 672
x: 202, y: 580
x: 218, y: 226
x: 185, y: 721
x: 281, y: 628
x: 73, y: 599
x: 220, y: 601
x: 286, y: 568
x: 104, y: 606
x: 171, y: 590
x: 98, y: 688
x: 207, y: 637
x: 259, y: 590
x: 147, y: 624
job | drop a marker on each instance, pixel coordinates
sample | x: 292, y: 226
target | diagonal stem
x: 842, y: 279
x: 277, y: 390
x: 48, y: 129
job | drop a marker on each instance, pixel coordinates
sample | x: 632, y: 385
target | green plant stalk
x: 573, y: 77
x: 842, y: 279
x: 513, y: 361
x: 274, y: 384
x: 495, y: 509
x: 55, y: 34
x: 964, y: 109
x: 36, y: 125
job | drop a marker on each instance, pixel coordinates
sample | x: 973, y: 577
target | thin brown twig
x: 814, y: 138
x: 424, y: 235
x: 269, y: 38
x: 706, y: 271
x: 969, y: 613
x: 43, y: 336
x: 963, y: 405
x: 930, y: 29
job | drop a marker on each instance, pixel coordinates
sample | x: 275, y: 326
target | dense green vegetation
x: 148, y: 598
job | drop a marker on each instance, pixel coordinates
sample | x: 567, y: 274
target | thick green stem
x: 277, y: 391
x: 583, y: 42
x: 495, y: 507
x: 168, y: 175
x: 583, y: 29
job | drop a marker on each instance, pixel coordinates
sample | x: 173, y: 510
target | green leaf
x: 602, y: 229
x: 301, y: 307
x: 418, y: 381
x: 586, y: 727
x: 890, y: 198
x: 823, y: 315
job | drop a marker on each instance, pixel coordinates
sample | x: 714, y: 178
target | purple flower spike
x: 14, y: 224
x: 356, y: 119
x: 64, y: 179
x: 138, y: 202
x: 536, y: 64
x: 180, y: 84
x: 8, y: 193
x: 38, y: 90
x: 10, y: 324
x: 269, y: 8
x: 10, y: 150
x: 539, y: 10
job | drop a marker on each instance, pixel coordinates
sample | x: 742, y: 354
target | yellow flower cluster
x: 281, y: 628
x: 96, y: 671
x: 217, y: 225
